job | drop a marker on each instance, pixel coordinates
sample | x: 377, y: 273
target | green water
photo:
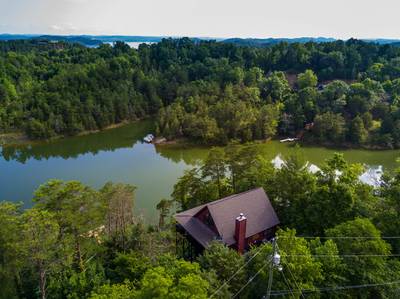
x: 118, y: 155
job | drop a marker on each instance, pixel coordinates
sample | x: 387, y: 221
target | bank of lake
x: 120, y: 155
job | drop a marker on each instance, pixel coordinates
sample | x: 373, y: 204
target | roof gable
x: 254, y: 204
x: 205, y: 216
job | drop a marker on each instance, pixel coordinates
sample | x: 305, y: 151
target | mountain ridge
x: 95, y: 40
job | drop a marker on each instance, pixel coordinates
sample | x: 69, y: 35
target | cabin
x: 239, y: 221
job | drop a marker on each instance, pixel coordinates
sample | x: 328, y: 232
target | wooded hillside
x: 207, y: 91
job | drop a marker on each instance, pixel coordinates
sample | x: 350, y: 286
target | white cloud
x: 215, y: 18
x: 64, y: 28
x: 55, y: 28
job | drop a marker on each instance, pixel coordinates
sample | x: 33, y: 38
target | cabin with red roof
x: 239, y: 220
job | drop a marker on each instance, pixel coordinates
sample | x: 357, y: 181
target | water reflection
x: 189, y: 155
x: 72, y: 147
x: 119, y: 155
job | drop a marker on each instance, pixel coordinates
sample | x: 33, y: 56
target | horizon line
x: 201, y: 36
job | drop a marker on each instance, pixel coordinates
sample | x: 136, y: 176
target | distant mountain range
x: 95, y: 40
x: 261, y: 42
x: 272, y: 41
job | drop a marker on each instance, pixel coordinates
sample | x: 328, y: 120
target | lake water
x: 134, y: 45
x: 119, y: 155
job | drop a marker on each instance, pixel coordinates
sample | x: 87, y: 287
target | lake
x: 119, y: 155
x: 134, y: 45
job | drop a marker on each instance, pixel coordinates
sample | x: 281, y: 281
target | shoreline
x: 20, y: 138
x: 185, y: 142
x: 344, y: 146
x: 14, y: 138
x: 110, y: 127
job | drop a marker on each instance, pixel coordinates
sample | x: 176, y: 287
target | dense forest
x: 207, y: 91
x: 338, y: 237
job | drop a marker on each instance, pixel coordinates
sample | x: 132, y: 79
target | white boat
x: 288, y: 140
x: 149, y: 138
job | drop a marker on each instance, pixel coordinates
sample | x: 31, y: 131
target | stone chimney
x: 240, y: 232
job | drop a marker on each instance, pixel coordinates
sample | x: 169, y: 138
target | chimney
x: 240, y: 232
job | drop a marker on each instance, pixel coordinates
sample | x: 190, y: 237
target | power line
x: 288, y: 285
x: 342, y: 255
x: 249, y: 281
x: 273, y: 261
x: 295, y: 282
x: 294, y: 279
x: 332, y: 289
x: 226, y: 282
x: 339, y: 237
x: 308, y: 237
x: 271, y: 270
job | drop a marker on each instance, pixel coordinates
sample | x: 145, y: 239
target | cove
x: 119, y: 155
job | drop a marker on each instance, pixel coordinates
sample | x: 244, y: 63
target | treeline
x: 351, y: 231
x: 207, y: 91
x: 364, y: 113
x: 73, y: 89
x: 338, y: 237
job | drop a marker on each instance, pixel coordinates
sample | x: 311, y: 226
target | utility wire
x: 343, y: 255
x: 249, y: 281
x: 341, y: 237
x: 310, y: 237
x: 295, y: 282
x: 288, y: 285
x: 333, y: 289
x: 226, y: 282
x: 271, y: 268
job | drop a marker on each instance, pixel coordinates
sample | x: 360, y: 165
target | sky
x: 204, y: 18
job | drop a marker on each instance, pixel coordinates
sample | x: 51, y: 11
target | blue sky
x: 215, y: 18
